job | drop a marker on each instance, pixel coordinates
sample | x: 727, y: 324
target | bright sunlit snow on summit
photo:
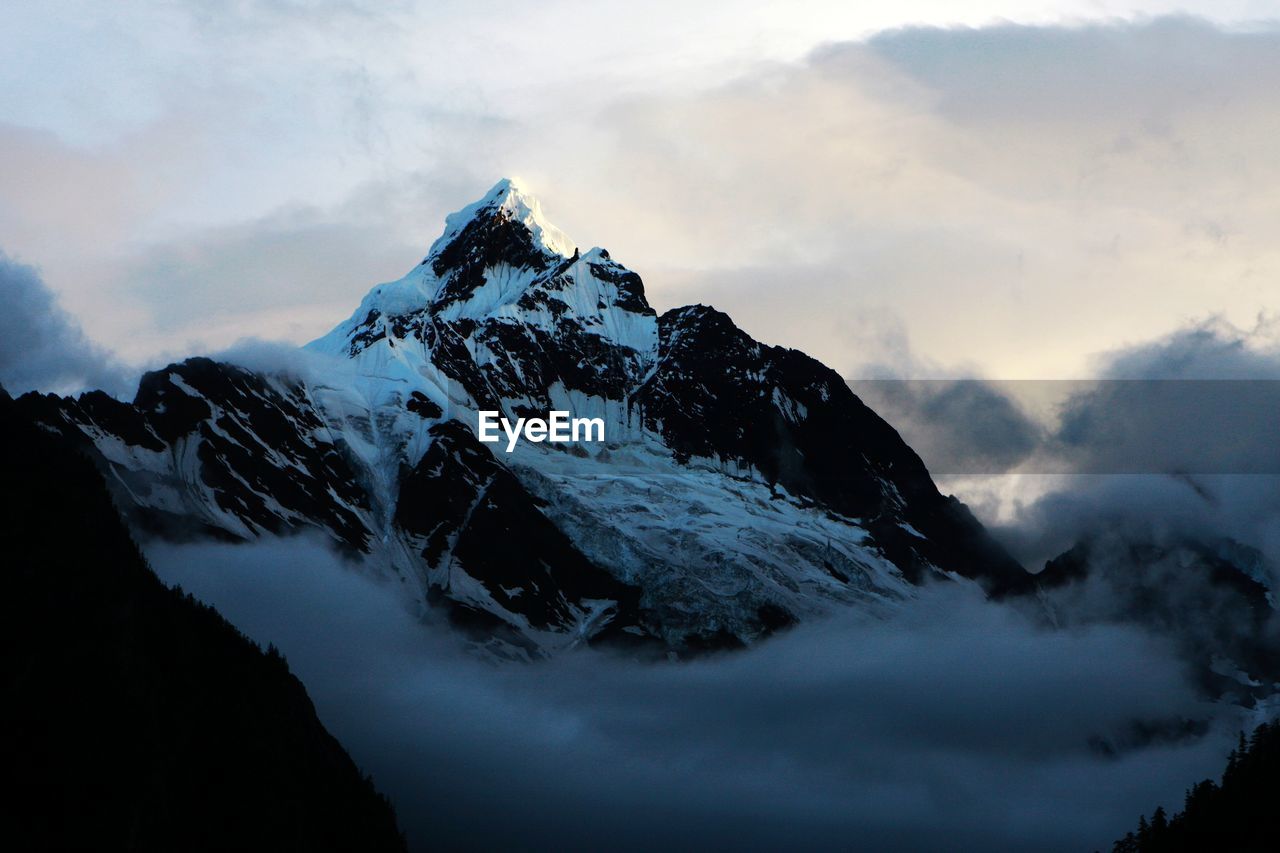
x: 513, y: 199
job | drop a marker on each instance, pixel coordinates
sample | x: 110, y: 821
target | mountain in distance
x: 742, y: 487
x: 1212, y: 598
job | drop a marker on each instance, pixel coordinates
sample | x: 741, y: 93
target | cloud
x: 954, y: 723
x: 1176, y: 440
x: 41, y: 346
x: 1212, y: 348
x: 964, y: 426
x: 1164, y: 469
x: 288, y: 276
x: 1197, y: 401
x: 1176, y: 63
x: 1021, y: 195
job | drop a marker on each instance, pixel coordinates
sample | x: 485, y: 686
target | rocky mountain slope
x: 741, y: 487
x: 1212, y: 599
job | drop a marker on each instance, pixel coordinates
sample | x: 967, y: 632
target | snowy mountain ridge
x: 743, y: 487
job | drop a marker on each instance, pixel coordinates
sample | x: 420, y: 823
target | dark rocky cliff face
x: 135, y: 717
x: 718, y: 393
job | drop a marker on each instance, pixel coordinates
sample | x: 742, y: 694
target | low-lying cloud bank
x: 957, y: 723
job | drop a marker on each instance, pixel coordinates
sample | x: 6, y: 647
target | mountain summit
x: 505, y: 308
x: 742, y: 487
x: 509, y: 202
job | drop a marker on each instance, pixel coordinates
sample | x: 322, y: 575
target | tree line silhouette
x: 1240, y: 814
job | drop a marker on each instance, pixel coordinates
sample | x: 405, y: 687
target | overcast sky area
x: 992, y: 188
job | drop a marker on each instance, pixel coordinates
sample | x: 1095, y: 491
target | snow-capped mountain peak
x: 504, y: 312
x: 500, y: 259
x: 509, y: 200
x: 737, y: 487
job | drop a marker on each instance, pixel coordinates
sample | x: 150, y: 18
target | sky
x: 990, y: 189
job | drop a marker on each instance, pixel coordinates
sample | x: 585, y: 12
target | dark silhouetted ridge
x: 1238, y: 815
x: 135, y: 717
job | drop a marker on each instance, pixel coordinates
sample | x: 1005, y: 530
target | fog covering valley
x: 956, y: 722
